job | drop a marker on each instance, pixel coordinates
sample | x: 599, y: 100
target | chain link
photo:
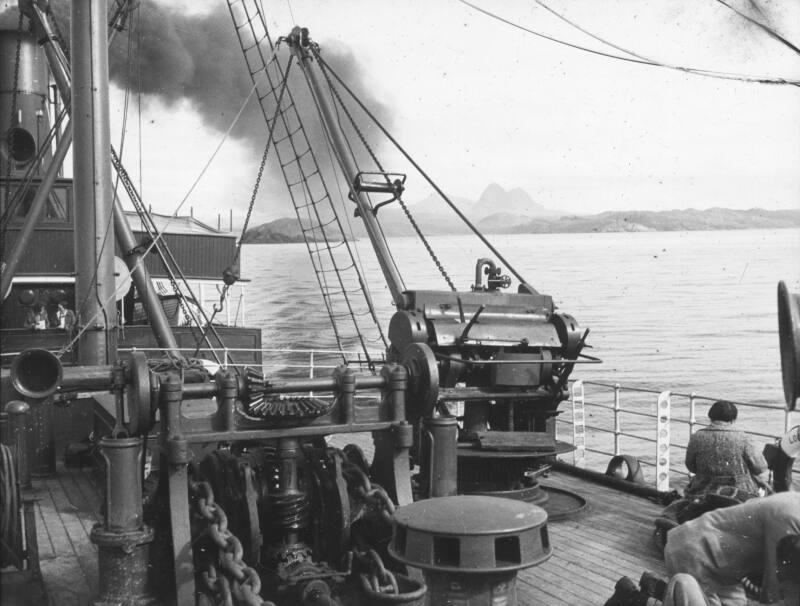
x: 423, y: 239
x: 372, y: 494
x: 232, y: 580
x: 223, y: 293
x: 378, y: 580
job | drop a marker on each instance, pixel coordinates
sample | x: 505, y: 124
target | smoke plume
x: 173, y: 56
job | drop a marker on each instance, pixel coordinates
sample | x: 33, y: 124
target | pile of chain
x: 225, y: 573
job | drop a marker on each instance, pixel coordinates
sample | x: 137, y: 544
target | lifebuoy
x: 790, y: 442
x: 634, y: 470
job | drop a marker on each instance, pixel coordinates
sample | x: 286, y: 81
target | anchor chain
x: 379, y: 580
x: 372, y: 494
x: 231, y: 274
x: 228, y: 577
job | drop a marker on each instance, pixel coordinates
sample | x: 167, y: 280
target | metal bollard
x: 122, y: 539
x: 439, y: 457
x: 17, y: 411
x: 470, y: 547
x: 41, y: 439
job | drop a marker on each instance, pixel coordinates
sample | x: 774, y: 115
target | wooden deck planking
x: 591, y: 550
x: 69, y: 565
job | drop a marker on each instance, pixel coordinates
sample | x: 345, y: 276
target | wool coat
x: 721, y: 455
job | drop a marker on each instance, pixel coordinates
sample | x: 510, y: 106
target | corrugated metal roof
x: 178, y: 225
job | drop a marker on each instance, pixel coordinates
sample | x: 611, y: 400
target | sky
x: 476, y: 101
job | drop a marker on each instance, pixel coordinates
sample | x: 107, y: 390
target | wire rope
x: 425, y: 175
x: 160, y: 235
x: 689, y: 70
x: 762, y: 26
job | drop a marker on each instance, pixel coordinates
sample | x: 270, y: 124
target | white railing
x: 653, y: 426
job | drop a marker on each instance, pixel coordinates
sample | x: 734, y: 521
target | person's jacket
x: 721, y: 455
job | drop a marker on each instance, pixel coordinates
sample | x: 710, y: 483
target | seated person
x: 726, y: 467
x: 711, y: 557
x: 721, y: 455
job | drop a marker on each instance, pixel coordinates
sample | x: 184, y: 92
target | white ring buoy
x: 790, y: 442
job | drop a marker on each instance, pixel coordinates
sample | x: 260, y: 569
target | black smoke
x: 172, y: 56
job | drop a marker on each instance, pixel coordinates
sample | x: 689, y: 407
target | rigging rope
x: 430, y: 181
x: 26, y: 181
x: 314, y: 206
x: 224, y: 293
x: 630, y: 52
x: 423, y: 239
x: 160, y: 235
x: 11, y: 134
x: 327, y: 293
x: 689, y: 70
x: 770, y: 32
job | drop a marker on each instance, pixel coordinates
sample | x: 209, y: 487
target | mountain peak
x: 495, y: 199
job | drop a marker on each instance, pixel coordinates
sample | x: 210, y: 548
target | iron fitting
x: 17, y: 407
x: 127, y: 540
x: 178, y: 452
x: 345, y: 379
x: 403, y: 435
x: 227, y: 383
x: 118, y: 372
x: 171, y: 387
x: 396, y: 376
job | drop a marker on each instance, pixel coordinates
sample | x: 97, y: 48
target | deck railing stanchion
x: 692, y: 412
x: 311, y: 370
x: 617, y: 424
x: 578, y: 425
x: 244, y: 304
x: 663, y: 406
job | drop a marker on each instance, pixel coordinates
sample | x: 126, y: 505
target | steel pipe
x: 93, y: 193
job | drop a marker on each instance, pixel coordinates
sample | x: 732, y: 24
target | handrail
x: 316, y: 362
x: 613, y: 425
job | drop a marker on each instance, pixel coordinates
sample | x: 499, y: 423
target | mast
x: 141, y: 277
x: 94, y: 239
x: 299, y: 42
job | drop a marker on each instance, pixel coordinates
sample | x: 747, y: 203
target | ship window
x: 19, y: 144
x: 56, y: 208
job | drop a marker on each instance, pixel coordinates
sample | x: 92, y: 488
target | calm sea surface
x: 685, y: 311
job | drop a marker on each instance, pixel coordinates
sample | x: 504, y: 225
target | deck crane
x: 506, y: 356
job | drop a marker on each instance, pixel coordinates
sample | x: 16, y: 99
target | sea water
x: 680, y: 311
x: 688, y: 311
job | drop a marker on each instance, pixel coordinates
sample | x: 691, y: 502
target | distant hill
x: 279, y: 231
x: 669, y: 220
x: 513, y: 202
x: 500, y: 211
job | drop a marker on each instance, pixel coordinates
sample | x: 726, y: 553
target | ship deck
x: 591, y: 550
